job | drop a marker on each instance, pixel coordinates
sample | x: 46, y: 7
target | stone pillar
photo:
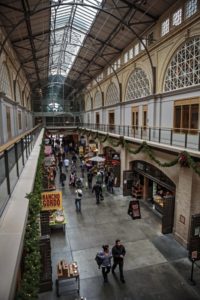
x: 99, y: 147
x: 146, y: 188
x: 123, y: 158
x: 1, y: 123
x: 183, y: 205
x: 15, y: 120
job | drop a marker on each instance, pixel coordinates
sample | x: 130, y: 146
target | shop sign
x: 194, y: 254
x: 51, y: 200
x: 182, y: 219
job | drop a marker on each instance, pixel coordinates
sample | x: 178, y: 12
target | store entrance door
x: 129, y: 179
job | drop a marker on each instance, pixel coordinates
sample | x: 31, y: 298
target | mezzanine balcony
x: 188, y: 139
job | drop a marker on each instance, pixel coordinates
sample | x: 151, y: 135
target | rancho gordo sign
x: 51, y: 200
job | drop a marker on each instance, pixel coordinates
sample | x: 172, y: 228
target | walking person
x: 82, y: 167
x: 111, y: 183
x: 118, y: 252
x: 78, y: 199
x: 89, y: 178
x: 60, y: 165
x: 106, y: 256
x: 62, y: 178
x: 66, y: 164
x: 98, y: 191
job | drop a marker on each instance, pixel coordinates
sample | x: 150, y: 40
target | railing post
x: 199, y: 142
x: 123, y: 130
x: 171, y: 137
x: 128, y: 130
x: 7, y: 170
x: 141, y: 133
x: 186, y: 136
x: 16, y: 159
x: 149, y: 133
x: 159, y: 134
x: 26, y: 147
x: 22, y: 149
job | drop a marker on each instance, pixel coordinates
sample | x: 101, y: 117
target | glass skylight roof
x: 70, y: 22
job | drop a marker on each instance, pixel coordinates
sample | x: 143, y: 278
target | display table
x: 57, y: 219
x: 67, y: 276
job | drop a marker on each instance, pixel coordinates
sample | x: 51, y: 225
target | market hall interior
x: 108, y: 89
x: 156, y: 266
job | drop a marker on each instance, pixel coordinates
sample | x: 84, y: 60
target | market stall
x: 52, y: 203
x: 67, y: 276
x: 57, y: 219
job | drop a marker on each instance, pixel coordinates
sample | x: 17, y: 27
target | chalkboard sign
x: 134, y: 209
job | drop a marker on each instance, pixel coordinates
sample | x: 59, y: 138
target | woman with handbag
x: 106, y: 256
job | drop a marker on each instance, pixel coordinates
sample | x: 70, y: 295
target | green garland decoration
x: 94, y: 135
x: 184, y: 158
x: 119, y: 142
x: 126, y: 145
x: 149, y: 151
x: 190, y: 162
x: 145, y: 148
x: 105, y: 137
x: 88, y: 133
x: 29, y: 288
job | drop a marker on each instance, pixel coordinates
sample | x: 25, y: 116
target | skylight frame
x: 66, y: 23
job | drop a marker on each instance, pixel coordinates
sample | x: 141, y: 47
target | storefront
x: 113, y: 163
x: 147, y: 182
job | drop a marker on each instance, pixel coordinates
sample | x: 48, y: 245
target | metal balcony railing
x: 177, y: 137
x: 13, y: 156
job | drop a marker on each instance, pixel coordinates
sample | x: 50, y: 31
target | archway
x: 147, y: 182
x: 113, y: 163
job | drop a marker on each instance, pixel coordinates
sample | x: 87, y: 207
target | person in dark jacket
x: 118, y: 252
x: 98, y: 191
x: 62, y: 178
x: 89, y: 178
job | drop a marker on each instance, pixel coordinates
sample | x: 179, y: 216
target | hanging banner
x: 51, y: 200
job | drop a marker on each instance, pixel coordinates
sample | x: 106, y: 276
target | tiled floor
x: 156, y: 266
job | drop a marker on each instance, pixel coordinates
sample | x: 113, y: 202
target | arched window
x: 138, y: 85
x: 112, y: 96
x: 88, y: 104
x: 97, y: 100
x: 5, y: 85
x: 18, y: 94
x: 184, y: 67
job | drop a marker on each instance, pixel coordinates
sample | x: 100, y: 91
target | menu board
x: 134, y: 209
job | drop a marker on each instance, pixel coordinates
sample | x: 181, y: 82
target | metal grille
x: 177, y: 17
x: 97, y: 100
x: 190, y: 8
x: 184, y: 68
x: 138, y: 85
x: 112, y: 96
x: 165, y: 27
